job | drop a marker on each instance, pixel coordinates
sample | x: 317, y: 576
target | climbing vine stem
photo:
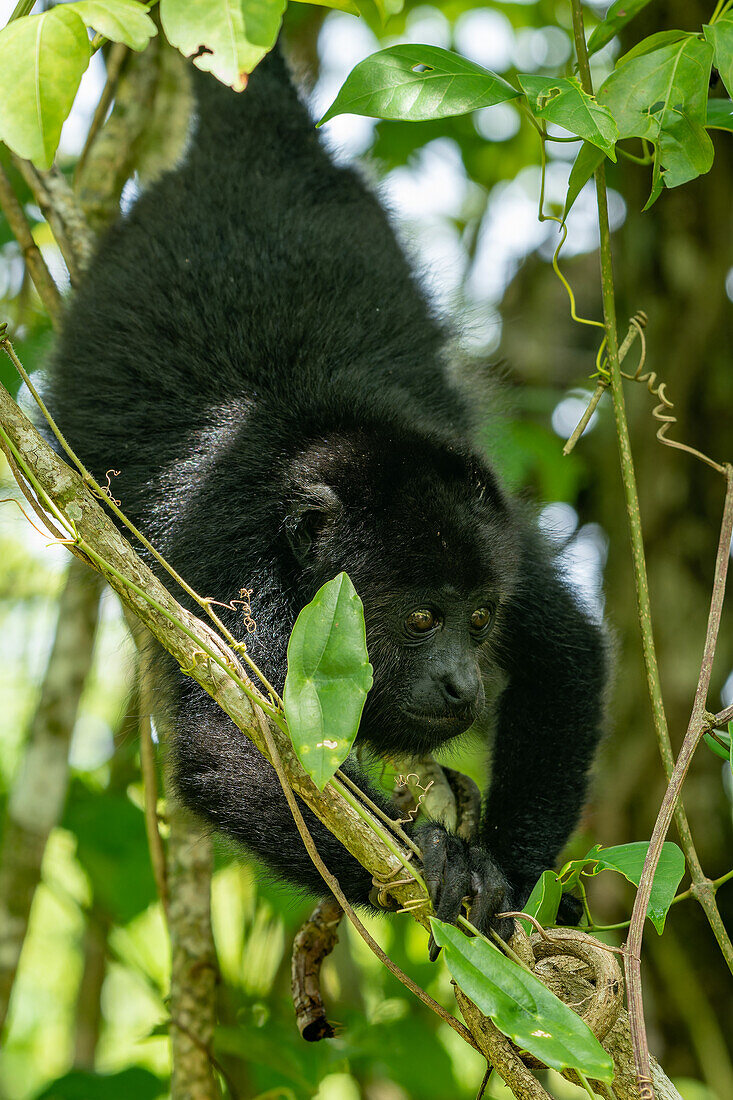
x: 706, y: 898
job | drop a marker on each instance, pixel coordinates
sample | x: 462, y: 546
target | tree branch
x: 39, y: 789
x: 15, y: 215
x: 61, y: 210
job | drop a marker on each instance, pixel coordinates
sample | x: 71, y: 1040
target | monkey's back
x: 256, y: 272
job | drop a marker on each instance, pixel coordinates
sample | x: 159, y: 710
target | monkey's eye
x: 421, y: 621
x: 480, y: 619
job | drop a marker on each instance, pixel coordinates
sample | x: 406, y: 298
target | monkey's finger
x: 483, y: 916
x: 492, y: 894
x: 452, y: 894
x: 434, y: 847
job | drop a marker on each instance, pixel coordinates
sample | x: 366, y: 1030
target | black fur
x: 253, y: 354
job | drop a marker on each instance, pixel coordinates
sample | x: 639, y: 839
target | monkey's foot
x: 462, y: 877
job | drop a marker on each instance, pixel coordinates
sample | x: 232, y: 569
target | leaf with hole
x: 555, y: 99
x: 521, y: 1006
x: 628, y: 860
x: 236, y: 34
x: 415, y: 83
x: 124, y: 21
x: 328, y: 678
x: 42, y: 60
x: 662, y: 96
x: 720, y: 37
x: 618, y: 15
x: 570, y: 873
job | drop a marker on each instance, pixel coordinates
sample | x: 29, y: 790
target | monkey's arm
x: 221, y: 776
x: 548, y: 722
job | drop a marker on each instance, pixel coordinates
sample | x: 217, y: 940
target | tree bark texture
x: 37, y: 797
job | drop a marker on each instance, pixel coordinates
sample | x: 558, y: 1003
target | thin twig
x: 395, y: 826
x: 704, y: 891
x: 722, y: 718
x: 335, y: 888
x: 64, y: 215
x: 149, y: 774
x: 16, y: 219
x: 23, y: 7
x: 635, y: 327
x: 633, y: 965
x: 25, y: 490
x: 114, y: 62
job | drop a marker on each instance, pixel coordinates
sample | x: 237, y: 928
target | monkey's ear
x: 315, y: 507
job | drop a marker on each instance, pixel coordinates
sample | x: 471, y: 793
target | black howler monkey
x: 252, y: 352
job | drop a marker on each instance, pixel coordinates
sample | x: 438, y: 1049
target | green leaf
x: 339, y: 5
x: 133, y: 1081
x: 415, y: 83
x: 720, y: 114
x: 124, y: 21
x: 42, y: 60
x: 628, y: 860
x: 723, y: 751
x: 111, y: 847
x: 569, y: 875
x: 586, y: 162
x: 236, y: 33
x: 653, y: 42
x: 544, y: 900
x: 521, y: 1006
x: 377, y: 13
x: 328, y: 678
x: 662, y: 96
x: 720, y: 37
x: 388, y: 8
x: 565, y: 103
x: 617, y: 16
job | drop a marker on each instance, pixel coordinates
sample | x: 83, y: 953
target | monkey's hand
x: 463, y: 876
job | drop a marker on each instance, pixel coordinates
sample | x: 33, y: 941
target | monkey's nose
x: 460, y: 693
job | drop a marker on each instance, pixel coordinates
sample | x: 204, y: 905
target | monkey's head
x: 431, y: 546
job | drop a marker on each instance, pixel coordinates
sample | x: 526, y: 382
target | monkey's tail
x: 267, y: 117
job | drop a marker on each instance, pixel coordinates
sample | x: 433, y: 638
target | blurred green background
x: 88, y: 1014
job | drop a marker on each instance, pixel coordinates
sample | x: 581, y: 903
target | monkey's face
x: 431, y: 550
x: 430, y: 650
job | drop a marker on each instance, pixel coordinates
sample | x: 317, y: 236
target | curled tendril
x: 403, y: 781
x: 661, y: 412
x: 242, y: 605
x: 543, y: 217
x: 198, y: 658
x: 107, y: 489
x: 383, y: 884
